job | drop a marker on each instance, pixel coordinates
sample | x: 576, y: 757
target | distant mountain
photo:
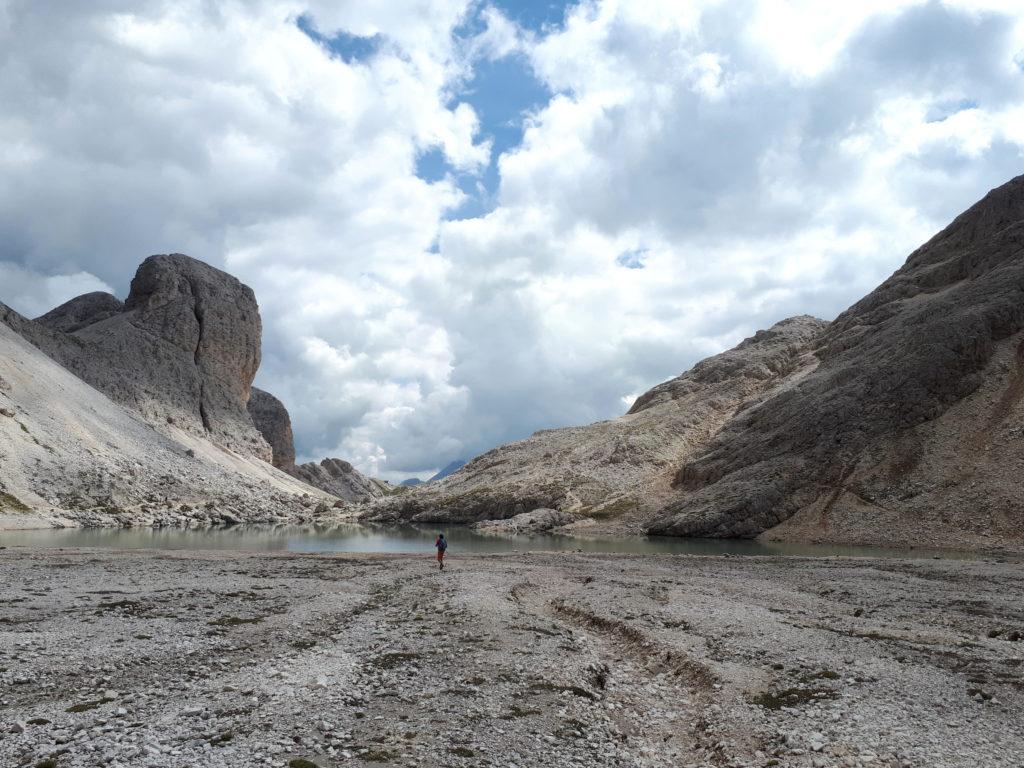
x: 451, y: 467
x: 411, y: 481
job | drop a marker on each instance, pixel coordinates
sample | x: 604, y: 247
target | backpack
x: 442, y: 543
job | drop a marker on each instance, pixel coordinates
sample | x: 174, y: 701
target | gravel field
x: 155, y: 658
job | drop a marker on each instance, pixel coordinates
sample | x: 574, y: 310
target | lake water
x: 417, y: 539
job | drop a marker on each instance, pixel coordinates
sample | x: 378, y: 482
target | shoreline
x: 580, y: 533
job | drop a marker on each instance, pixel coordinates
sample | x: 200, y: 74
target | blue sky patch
x: 431, y: 165
x: 346, y: 46
x: 533, y: 14
x: 946, y: 109
x: 633, y: 259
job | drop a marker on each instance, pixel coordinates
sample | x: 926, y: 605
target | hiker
x: 442, y: 545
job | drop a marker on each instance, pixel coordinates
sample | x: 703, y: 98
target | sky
x: 465, y: 221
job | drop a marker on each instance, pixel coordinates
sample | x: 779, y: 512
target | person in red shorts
x: 442, y: 546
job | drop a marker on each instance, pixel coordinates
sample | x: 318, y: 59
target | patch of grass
x: 462, y: 752
x: 12, y: 503
x: 791, y: 697
x: 38, y: 721
x: 575, y: 690
x: 85, y: 706
x: 234, y: 621
x: 301, y: 762
x: 516, y: 711
x: 612, y: 509
x: 825, y: 674
x: 49, y: 762
x: 392, y: 660
x: 222, y: 738
x: 379, y: 756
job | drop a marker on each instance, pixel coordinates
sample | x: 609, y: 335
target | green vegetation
x: 392, y: 660
x: 611, y: 509
x: 379, y: 756
x: 85, y: 706
x: 233, y: 621
x: 12, y: 503
x: 791, y: 697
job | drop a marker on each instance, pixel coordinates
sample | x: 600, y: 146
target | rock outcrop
x: 341, y: 479
x: 910, y: 423
x: 273, y: 422
x: 183, y: 349
x: 620, y: 469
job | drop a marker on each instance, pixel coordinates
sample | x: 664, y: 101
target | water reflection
x: 415, y: 539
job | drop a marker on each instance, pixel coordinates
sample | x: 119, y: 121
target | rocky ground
x: 147, y: 658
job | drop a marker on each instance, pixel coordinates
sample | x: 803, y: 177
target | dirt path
x: 226, y: 659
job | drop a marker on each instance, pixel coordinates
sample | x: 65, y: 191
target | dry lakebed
x: 207, y: 658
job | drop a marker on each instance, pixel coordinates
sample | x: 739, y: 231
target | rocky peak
x: 767, y: 355
x: 81, y: 311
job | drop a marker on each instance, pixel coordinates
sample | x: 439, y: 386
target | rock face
x: 341, y: 479
x: 273, y: 422
x: 910, y: 422
x: 183, y: 349
x: 620, y: 469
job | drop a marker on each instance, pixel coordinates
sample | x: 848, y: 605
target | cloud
x: 756, y: 159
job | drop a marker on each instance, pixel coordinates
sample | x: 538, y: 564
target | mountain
x: 448, y: 469
x: 411, y: 482
x: 900, y: 421
x: 622, y: 468
x: 156, y: 418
